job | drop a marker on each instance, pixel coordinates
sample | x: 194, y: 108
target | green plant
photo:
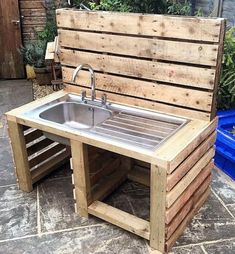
x: 226, y: 93
x: 34, y: 53
x: 179, y: 8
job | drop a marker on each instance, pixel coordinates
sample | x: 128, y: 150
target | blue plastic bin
x: 225, y: 143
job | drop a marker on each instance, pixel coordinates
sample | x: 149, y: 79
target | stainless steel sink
x: 141, y: 128
x: 76, y: 115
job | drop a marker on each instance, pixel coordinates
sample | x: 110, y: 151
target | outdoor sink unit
x: 136, y: 127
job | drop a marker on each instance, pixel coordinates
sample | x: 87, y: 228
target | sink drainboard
x: 137, y: 130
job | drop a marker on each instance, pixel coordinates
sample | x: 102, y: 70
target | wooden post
x: 18, y: 145
x: 81, y: 176
x: 157, y: 207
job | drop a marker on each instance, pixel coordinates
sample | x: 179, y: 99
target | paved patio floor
x: 44, y: 221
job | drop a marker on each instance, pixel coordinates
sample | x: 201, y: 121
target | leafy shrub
x: 226, y: 93
x: 34, y: 53
x: 179, y: 8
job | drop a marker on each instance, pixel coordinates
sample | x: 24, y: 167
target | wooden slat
x: 200, y: 100
x: 34, y: 21
x: 38, y: 146
x: 81, y: 176
x: 49, y: 166
x: 18, y: 145
x: 143, y: 103
x: 181, y: 201
x: 188, y: 178
x: 119, y: 218
x: 186, y: 221
x: 140, y: 175
x: 33, y: 135
x: 191, y: 160
x: 196, y: 53
x: 167, y: 72
x: 157, y: 207
x: 178, y: 147
x: 109, y: 183
x: 31, y: 4
x: 33, y: 12
x: 170, y: 229
x: 192, y: 28
x: 45, y: 155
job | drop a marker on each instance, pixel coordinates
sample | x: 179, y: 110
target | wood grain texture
x: 159, y: 92
x: 188, y: 52
x: 191, y: 28
x: 18, y: 145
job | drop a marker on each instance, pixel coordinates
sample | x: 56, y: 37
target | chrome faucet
x: 75, y: 73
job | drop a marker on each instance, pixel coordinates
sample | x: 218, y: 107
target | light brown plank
x: 167, y: 72
x: 140, y: 175
x: 120, y: 218
x: 49, y: 166
x: 18, y: 145
x: 81, y: 176
x: 186, y: 221
x: 157, y: 207
x: 32, y: 4
x: 172, y: 196
x: 136, y: 102
x: 191, y: 28
x: 200, y: 100
x: 45, y: 155
x: 196, y: 53
x: 191, y: 160
x: 178, y: 147
x: 181, y: 201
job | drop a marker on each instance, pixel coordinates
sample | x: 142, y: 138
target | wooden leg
x: 157, y: 207
x: 18, y: 145
x: 81, y: 176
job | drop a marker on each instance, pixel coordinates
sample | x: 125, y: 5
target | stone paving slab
x: 18, y: 213
x: 89, y: 240
x: 224, y: 247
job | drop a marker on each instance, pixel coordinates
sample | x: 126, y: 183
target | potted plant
x: 34, y: 55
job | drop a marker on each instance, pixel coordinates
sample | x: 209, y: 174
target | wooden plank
x: 191, y: 160
x: 191, y: 28
x: 172, y: 196
x: 140, y: 175
x: 195, y: 53
x: 33, y: 135
x: 18, y: 145
x: 136, y: 102
x: 38, y: 146
x: 218, y: 68
x: 178, y: 147
x: 181, y: 201
x: 81, y: 176
x: 49, y: 166
x: 50, y: 51
x: 120, y: 218
x: 32, y: 4
x: 34, y: 21
x: 191, y: 98
x: 186, y: 221
x: 107, y: 168
x: 157, y: 207
x: 45, y: 155
x: 159, y: 71
x: 33, y: 12
x: 109, y: 183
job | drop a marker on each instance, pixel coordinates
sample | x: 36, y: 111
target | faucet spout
x: 79, y: 68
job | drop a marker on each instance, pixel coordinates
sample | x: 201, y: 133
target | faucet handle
x: 83, y: 95
x: 104, y: 99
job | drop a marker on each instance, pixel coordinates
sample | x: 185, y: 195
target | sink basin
x: 128, y: 125
x: 75, y: 115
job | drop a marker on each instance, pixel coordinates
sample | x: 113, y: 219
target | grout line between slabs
x: 203, y: 249
x: 205, y: 243
x: 8, y: 185
x: 39, y: 230
x: 222, y: 202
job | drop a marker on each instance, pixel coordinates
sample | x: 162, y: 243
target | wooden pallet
x: 35, y: 156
